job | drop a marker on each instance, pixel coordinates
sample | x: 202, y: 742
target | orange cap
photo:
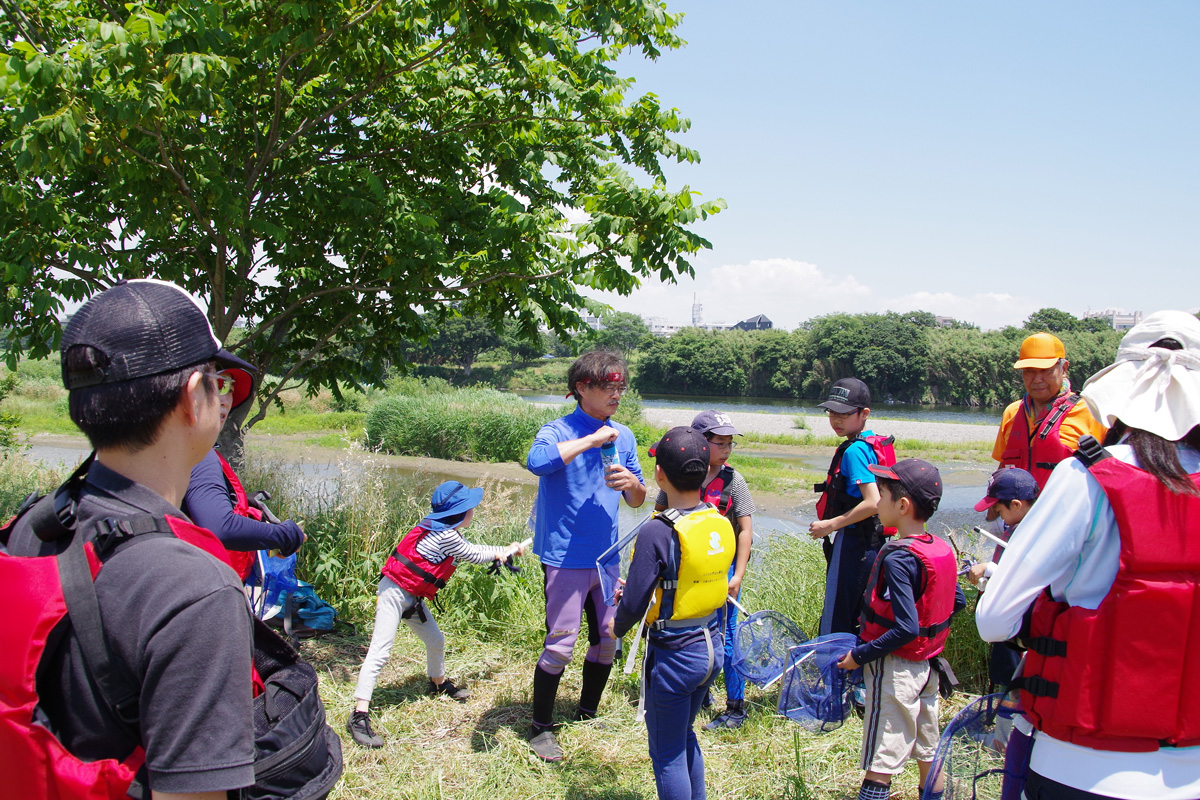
x: 1042, y: 350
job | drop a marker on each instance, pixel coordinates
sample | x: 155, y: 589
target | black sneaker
x: 359, y: 726
x: 730, y: 718
x: 448, y: 688
x: 545, y: 746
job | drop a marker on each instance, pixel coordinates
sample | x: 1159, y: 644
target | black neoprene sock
x: 545, y: 690
x: 595, y: 678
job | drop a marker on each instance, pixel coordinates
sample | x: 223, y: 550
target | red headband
x: 611, y: 377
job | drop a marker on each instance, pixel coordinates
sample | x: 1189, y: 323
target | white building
x: 1119, y: 320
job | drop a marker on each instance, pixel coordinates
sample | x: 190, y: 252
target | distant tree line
x: 902, y: 357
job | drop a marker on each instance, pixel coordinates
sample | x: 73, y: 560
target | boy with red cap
x: 911, y: 595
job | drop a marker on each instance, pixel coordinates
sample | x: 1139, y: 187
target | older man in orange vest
x: 1045, y: 426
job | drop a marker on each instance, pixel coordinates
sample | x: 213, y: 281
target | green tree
x: 459, y: 340
x: 326, y: 170
x: 691, y: 361
x: 521, y: 344
x: 622, y: 331
x: 1052, y: 320
x: 9, y: 441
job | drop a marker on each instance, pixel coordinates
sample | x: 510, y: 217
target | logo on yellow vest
x: 714, y: 543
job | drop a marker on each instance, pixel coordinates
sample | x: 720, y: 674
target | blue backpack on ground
x: 284, y: 601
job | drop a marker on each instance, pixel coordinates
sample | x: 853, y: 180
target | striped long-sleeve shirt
x: 437, y: 546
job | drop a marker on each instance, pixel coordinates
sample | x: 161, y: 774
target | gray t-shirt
x: 740, y: 500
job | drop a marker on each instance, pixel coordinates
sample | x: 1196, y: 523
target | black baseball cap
x: 920, y: 478
x: 143, y: 327
x: 847, y: 396
x: 682, y: 452
x: 714, y: 422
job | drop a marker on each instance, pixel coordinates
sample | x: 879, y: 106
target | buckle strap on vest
x: 693, y: 622
x: 1058, y: 413
x: 875, y: 618
x: 420, y: 573
x: 1091, y: 452
x: 1037, y: 685
x: 1048, y: 646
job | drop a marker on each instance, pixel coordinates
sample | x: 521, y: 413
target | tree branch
x: 311, y: 353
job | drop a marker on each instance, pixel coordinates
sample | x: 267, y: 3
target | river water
x: 320, y: 471
x: 791, y: 407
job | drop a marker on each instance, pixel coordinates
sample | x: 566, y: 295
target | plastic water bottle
x: 608, y: 456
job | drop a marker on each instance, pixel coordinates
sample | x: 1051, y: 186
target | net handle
x: 795, y: 664
x: 995, y: 539
x: 734, y: 602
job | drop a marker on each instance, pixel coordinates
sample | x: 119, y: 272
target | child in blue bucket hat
x: 421, y: 565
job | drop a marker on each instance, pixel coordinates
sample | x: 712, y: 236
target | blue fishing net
x: 816, y: 694
x: 969, y: 763
x: 761, y: 644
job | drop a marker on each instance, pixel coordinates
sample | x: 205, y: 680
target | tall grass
x: 18, y: 478
x: 465, y: 424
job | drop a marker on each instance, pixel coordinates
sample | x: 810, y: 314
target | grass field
x: 440, y: 749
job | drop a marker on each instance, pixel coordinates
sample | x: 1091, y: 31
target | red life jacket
x: 934, y: 598
x: 719, y: 491
x: 242, y: 562
x: 835, y: 500
x: 1040, y: 452
x: 412, y: 572
x: 33, y: 761
x: 1120, y: 677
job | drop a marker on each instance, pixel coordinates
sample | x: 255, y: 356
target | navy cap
x: 1008, y: 483
x: 682, y: 452
x: 847, y: 396
x: 919, y: 478
x: 714, y: 422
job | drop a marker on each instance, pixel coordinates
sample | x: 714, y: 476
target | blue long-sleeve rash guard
x: 901, y: 573
x: 210, y: 505
x: 575, y: 514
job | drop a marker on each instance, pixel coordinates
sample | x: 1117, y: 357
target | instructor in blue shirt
x: 575, y: 520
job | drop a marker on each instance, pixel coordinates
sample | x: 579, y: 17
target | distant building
x: 1119, y: 320
x: 755, y: 323
x: 592, y: 321
x: 943, y: 322
x: 660, y: 327
x: 697, y: 313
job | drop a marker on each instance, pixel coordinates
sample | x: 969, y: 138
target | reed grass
x: 474, y: 424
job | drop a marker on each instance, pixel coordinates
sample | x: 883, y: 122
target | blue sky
x: 980, y: 160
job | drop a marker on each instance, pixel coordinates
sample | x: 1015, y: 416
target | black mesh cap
x: 143, y: 327
x: 682, y: 452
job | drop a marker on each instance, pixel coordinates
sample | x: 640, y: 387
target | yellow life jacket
x: 704, y: 549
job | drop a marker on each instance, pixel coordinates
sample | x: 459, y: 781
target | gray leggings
x: 391, y: 603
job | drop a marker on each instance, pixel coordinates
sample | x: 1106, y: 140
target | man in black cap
x: 846, y: 509
x: 140, y: 363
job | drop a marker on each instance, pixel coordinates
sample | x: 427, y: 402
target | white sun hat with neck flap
x: 1152, y: 388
